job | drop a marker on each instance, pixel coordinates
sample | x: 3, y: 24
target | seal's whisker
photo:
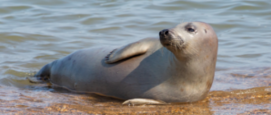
x: 162, y: 51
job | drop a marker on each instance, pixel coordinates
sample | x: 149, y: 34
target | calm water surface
x: 36, y: 32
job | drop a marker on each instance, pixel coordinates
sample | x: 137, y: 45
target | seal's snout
x: 166, y: 37
x: 169, y: 38
x: 164, y: 32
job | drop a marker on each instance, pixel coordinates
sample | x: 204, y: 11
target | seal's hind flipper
x: 130, y: 50
x: 42, y: 76
x: 35, y: 80
x: 140, y: 101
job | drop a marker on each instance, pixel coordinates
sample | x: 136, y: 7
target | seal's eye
x: 190, y: 30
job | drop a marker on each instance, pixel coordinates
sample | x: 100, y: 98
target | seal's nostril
x: 166, y: 32
x: 163, y: 32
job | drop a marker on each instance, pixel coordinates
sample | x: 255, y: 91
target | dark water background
x: 36, y: 32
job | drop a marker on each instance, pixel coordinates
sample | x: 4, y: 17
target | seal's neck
x: 189, y: 67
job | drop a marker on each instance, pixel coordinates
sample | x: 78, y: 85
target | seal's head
x: 190, y: 38
x: 194, y: 46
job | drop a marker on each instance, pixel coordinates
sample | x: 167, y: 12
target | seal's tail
x: 42, y: 76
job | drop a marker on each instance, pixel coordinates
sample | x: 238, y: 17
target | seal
x: 178, y: 67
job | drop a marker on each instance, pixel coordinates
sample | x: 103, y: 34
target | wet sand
x: 41, y: 99
x: 16, y: 101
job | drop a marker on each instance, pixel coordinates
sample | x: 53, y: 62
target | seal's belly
x: 85, y: 70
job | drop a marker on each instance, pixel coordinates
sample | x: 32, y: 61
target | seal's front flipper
x: 130, y: 50
x: 140, y: 101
